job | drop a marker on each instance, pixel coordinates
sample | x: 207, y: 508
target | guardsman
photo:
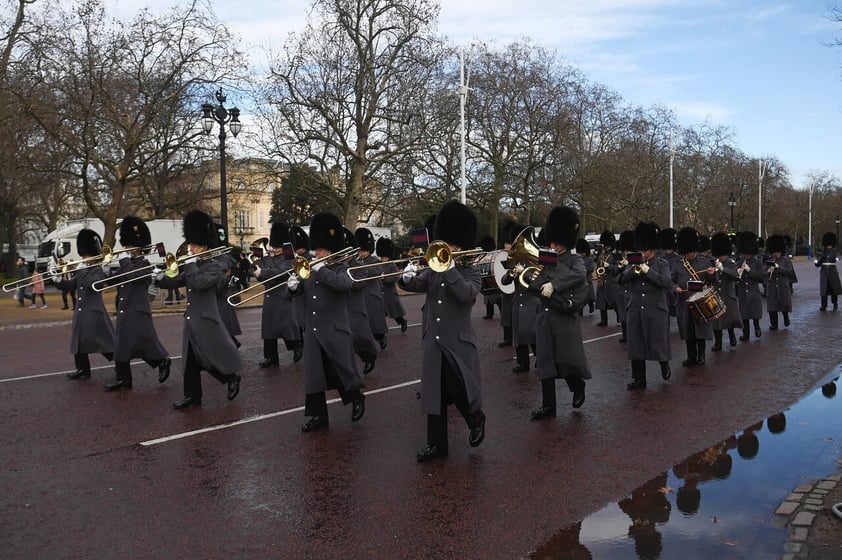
x: 226, y: 311
x: 751, y: 275
x: 669, y: 243
x: 826, y: 260
x: 301, y: 245
x: 606, y: 285
x: 365, y: 345
x: 507, y: 235
x: 488, y: 245
x: 92, y: 331
x: 391, y: 300
x: 372, y: 289
x: 136, y: 335
x: 691, y: 269
x: 583, y: 249
x: 328, y: 348
x: 278, y: 319
x: 525, y: 306
x: 726, y: 282
x: 626, y: 246
x: 450, y: 371
x: 647, y: 316
x: 781, y: 277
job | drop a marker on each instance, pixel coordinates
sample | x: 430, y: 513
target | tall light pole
x: 672, y: 161
x: 761, y: 172
x: 837, y: 226
x: 463, y: 94
x: 731, y: 204
x: 810, y: 224
x: 221, y: 116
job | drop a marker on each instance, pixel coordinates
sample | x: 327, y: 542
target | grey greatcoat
x: 328, y: 348
x: 590, y: 266
x: 389, y: 290
x: 524, y: 312
x: 447, y: 331
x: 778, y: 294
x: 373, y: 296
x: 688, y: 327
x: 136, y: 334
x: 671, y: 258
x: 751, y: 302
x: 92, y: 331
x: 726, y: 283
x: 829, y: 283
x: 560, y: 348
x: 227, y: 311
x: 647, y: 311
x: 364, y: 344
x: 604, y: 299
x: 278, y: 319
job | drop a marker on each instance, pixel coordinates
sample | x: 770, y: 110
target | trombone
x: 438, y: 257
x: 300, y: 266
x: 171, y: 266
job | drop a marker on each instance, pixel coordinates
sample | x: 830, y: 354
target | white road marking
x: 53, y: 374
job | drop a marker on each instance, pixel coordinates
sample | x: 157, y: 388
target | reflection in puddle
x: 719, y: 502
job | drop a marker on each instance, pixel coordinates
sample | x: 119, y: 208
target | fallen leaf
x: 665, y: 490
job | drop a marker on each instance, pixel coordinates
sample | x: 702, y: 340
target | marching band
x: 328, y: 295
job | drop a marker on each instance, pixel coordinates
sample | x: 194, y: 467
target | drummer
x: 691, y: 275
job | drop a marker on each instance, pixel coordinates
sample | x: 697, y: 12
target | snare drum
x: 706, y: 306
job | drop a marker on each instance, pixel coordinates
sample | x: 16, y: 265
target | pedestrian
x: 450, y: 370
x: 647, y: 317
x: 726, y: 282
x: 781, y: 277
x: 243, y: 269
x: 751, y: 275
x: 68, y: 296
x: 561, y: 350
x: 37, y: 287
x: 23, y: 276
x: 328, y: 346
x: 829, y: 284
x: 690, y: 275
x: 391, y: 300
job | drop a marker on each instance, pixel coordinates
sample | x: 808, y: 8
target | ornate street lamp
x: 221, y: 116
x: 732, y: 202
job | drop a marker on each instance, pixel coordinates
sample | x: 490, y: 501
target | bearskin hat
x: 562, y: 227
x: 221, y: 236
x: 787, y: 241
x: 456, y: 224
x: 385, y: 248
x: 541, y: 239
x: 299, y: 238
x: 88, y: 243
x: 747, y: 243
x: 828, y: 239
x: 704, y: 243
x: 487, y: 243
x: 278, y: 235
x: 199, y: 229
x: 720, y: 245
x: 669, y: 239
x: 647, y: 235
x: 687, y: 240
x: 364, y: 239
x: 430, y: 226
x: 135, y: 233
x: 626, y: 241
x: 326, y: 232
x: 607, y: 238
x: 583, y: 247
x: 776, y: 243
x: 350, y: 240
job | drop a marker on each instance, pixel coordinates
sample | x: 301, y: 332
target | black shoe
x: 234, y: 387
x: 602, y: 324
x: 637, y: 383
x: 65, y: 307
x: 689, y: 363
x: 187, y: 402
x: 488, y: 316
x: 543, y: 412
x: 358, y: 408
x: 478, y: 431
x: 79, y: 373
x: 431, y: 452
x: 666, y: 372
x: 268, y: 362
x: 745, y: 336
x: 622, y: 339
x: 315, y: 423
x: 382, y: 343
x: 578, y: 398
x: 715, y: 348
x: 700, y: 361
x: 369, y: 365
x: 403, y: 325
x: 757, y: 333
x: 237, y: 343
x: 520, y: 368
x: 118, y: 385
x: 786, y: 321
x: 773, y: 327
x: 164, y: 369
x: 297, y: 353
x: 822, y: 308
x: 590, y: 307
x: 732, y: 340
x: 504, y: 344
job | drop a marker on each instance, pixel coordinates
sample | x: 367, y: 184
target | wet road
x: 84, y: 473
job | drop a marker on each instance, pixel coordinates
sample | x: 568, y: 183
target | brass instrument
x: 300, y: 266
x: 438, y: 257
x: 172, y: 264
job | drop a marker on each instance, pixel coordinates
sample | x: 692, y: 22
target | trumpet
x: 300, y: 266
x: 171, y: 268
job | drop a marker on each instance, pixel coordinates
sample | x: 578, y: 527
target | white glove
x: 191, y: 260
x: 815, y: 261
x: 409, y: 272
x: 318, y: 266
x: 256, y: 271
x: 451, y: 265
x: 547, y: 290
x: 157, y: 274
x: 293, y: 282
x: 56, y: 278
x: 80, y: 266
x: 517, y: 269
x: 719, y: 266
x: 644, y: 268
x: 106, y: 268
x: 124, y: 255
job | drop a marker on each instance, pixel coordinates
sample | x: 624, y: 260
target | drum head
x: 500, y: 271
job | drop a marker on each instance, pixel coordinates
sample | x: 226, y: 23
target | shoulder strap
x: 690, y: 269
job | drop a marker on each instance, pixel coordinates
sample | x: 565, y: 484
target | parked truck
x: 61, y: 242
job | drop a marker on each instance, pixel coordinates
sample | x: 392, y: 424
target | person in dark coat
x: 92, y: 330
x: 301, y: 246
x: 781, y: 275
x: 508, y: 232
x: 692, y: 266
x: 365, y: 345
x: 524, y: 313
x: 606, y: 286
x: 328, y: 346
x: 626, y: 246
x: 583, y: 249
x: 373, y: 293
x: 388, y: 284
x: 561, y: 350
x: 206, y: 343
x: 647, y: 312
x: 278, y: 319
x: 829, y: 284
x: 751, y: 276
x: 490, y: 300
x: 726, y: 282
x: 450, y: 367
x: 136, y: 335
x: 669, y: 243
x: 227, y: 285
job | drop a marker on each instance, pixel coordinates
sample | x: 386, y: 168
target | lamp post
x: 732, y: 202
x: 837, y: 226
x: 221, y: 116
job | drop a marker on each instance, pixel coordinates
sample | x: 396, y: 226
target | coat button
x: 439, y: 301
x: 438, y: 319
x: 437, y: 337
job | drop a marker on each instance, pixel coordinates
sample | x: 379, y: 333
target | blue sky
x: 759, y: 67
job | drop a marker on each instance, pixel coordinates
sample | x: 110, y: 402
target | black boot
x: 773, y: 321
x: 700, y: 351
x: 691, y: 353
x: 757, y: 328
x: 603, y: 318
x: 746, y: 331
x: 522, y: 352
x: 717, y: 341
x: 623, y: 335
x: 786, y: 319
x: 732, y: 337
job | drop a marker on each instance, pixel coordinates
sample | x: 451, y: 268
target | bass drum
x: 500, y: 271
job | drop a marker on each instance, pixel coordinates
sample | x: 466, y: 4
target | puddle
x: 719, y: 502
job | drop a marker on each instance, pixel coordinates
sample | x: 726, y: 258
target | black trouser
x: 452, y: 390
x: 124, y: 369
x: 638, y: 368
x: 548, y: 389
x: 193, y: 378
x: 507, y: 334
x: 695, y: 349
x: 84, y: 363
x: 270, y: 349
x: 72, y: 294
x: 522, y: 354
x: 315, y: 404
x: 833, y: 300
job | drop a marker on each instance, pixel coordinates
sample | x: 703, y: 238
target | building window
x: 241, y: 219
x: 261, y: 216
